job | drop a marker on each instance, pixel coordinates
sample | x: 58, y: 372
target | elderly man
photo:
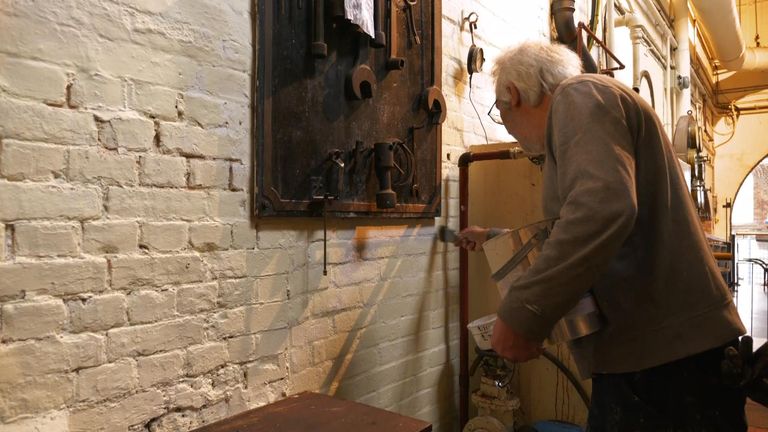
x: 628, y: 231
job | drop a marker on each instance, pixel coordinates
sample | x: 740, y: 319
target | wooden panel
x: 317, y: 413
x: 307, y: 111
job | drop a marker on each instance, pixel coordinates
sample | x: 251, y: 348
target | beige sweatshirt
x: 627, y: 230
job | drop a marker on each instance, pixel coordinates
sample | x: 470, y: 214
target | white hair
x: 536, y: 68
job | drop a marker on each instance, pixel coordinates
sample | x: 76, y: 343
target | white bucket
x: 482, y: 329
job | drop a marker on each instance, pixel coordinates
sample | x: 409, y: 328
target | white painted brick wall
x: 137, y: 292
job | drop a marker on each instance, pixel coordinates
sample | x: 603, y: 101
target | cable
x: 568, y: 374
x: 476, y: 112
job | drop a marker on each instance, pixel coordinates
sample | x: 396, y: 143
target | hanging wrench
x: 409, y: 5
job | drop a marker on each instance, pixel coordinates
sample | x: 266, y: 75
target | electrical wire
x: 476, y: 112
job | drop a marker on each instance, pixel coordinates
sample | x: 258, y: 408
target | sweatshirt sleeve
x: 592, y: 147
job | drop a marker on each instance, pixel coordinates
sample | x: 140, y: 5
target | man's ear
x: 514, y: 95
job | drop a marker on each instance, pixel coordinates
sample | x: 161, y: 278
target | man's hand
x: 512, y: 345
x: 472, y: 238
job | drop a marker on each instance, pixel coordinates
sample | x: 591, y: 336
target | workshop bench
x: 316, y: 412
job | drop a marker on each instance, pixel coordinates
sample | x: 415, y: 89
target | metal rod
x: 325, y: 235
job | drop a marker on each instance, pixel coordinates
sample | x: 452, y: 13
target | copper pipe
x: 464, y: 161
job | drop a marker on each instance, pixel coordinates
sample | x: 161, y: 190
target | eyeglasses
x: 494, y: 113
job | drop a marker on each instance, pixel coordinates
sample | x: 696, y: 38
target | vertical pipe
x: 463, y: 293
x: 683, y: 54
x: 464, y: 161
x: 610, y: 12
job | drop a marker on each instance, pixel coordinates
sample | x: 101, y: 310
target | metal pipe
x: 610, y: 14
x: 465, y: 160
x: 658, y: 21
x: 562, y: 11
x: 720, y: 20
x: 682, y: 55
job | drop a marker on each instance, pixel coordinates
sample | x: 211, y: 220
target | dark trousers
x: 685, y: 395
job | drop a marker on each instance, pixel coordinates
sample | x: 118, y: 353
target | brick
x: 85, y: 350
x: 35, y: 395
x: 3, y: 251
x: 205, y: 111
x: 106, y: 381
x: 224, y: 82
x: 188, y: 140
x: 358, y: 272
x: 273, y: 288
x: 196, y: 298
x: 164, y: 236
x: 227, y: 264
x: 127, y: 132
x: 244, y: 236
x: 273, y: 342
x: 183, y: 396
x: 210, y: 236
x: 40, y: 240
x: 31, y: 161
x: 304, y: 334
x: 155, y: 203
x: 98, y: 313
x: 227, y: 205
x: 91, y: 165
x: 146, y: 64
x: 152, y: 338
x: 241, y: 177
x: 37, y: 122
x: 158, y: 270
x: 262, y: 373
x: 205, y: 358
x: 275, y: 236
x: 155, y: 101
x: 242, y: 348
x: 32, y: 38
x: 56, y: 421
x: 208, y: 174
x: 228, y: 323
x: 238, y: 292
x: 163, y: 171
x: 160, y: 369
x: 33, y: 80
x: 137, y: 409
x: 229, y: 376
x: 54, y: 277
x: 97, y: 90
x: 259, y: 318
x: 151, y: 306
x: 33, y: 319
x: 110, y: 237
x: 264, y: 263
x: 41, y: 201
x: 32, y: 358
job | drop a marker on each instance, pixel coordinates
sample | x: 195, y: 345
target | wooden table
x: 313, y: 412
